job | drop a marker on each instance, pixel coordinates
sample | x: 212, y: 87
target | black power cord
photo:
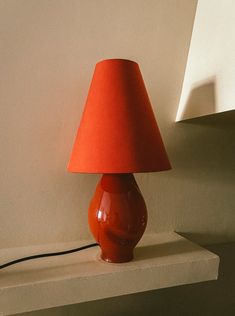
x: 49, y: 254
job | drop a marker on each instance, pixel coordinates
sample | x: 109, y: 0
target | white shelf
x: 161, y: 260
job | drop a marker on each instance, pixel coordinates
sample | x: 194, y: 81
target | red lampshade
x: 118, y: 132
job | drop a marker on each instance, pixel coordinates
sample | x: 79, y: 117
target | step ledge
x: 161, y: 260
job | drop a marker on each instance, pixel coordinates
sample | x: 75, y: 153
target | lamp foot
x: 117, y: 256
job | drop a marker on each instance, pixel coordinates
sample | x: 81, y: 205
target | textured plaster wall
x: 48, y: 50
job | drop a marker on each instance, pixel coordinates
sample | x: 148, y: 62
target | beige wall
x: 48, y: 51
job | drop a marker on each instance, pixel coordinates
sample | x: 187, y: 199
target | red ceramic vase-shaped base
x: 117, y: 216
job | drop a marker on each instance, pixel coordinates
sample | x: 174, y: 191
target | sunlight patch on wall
x: 208, y: 85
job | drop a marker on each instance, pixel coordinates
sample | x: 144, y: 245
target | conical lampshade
x: 118, y: 132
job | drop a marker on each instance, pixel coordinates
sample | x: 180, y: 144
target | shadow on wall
x: 197, y: 195
x: 207, y: 147
x: 205, y: 162
x: 201, y: 101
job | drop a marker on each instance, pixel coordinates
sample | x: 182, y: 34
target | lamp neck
x: 118, y: 182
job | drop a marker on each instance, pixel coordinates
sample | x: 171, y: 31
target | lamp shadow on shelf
x: 200, y: 238
x: 164, y: 250
x: 201, y: 100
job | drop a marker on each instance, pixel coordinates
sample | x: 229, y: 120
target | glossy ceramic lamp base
x: 117, y: 216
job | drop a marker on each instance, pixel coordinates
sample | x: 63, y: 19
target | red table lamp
x: 118, y: 135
